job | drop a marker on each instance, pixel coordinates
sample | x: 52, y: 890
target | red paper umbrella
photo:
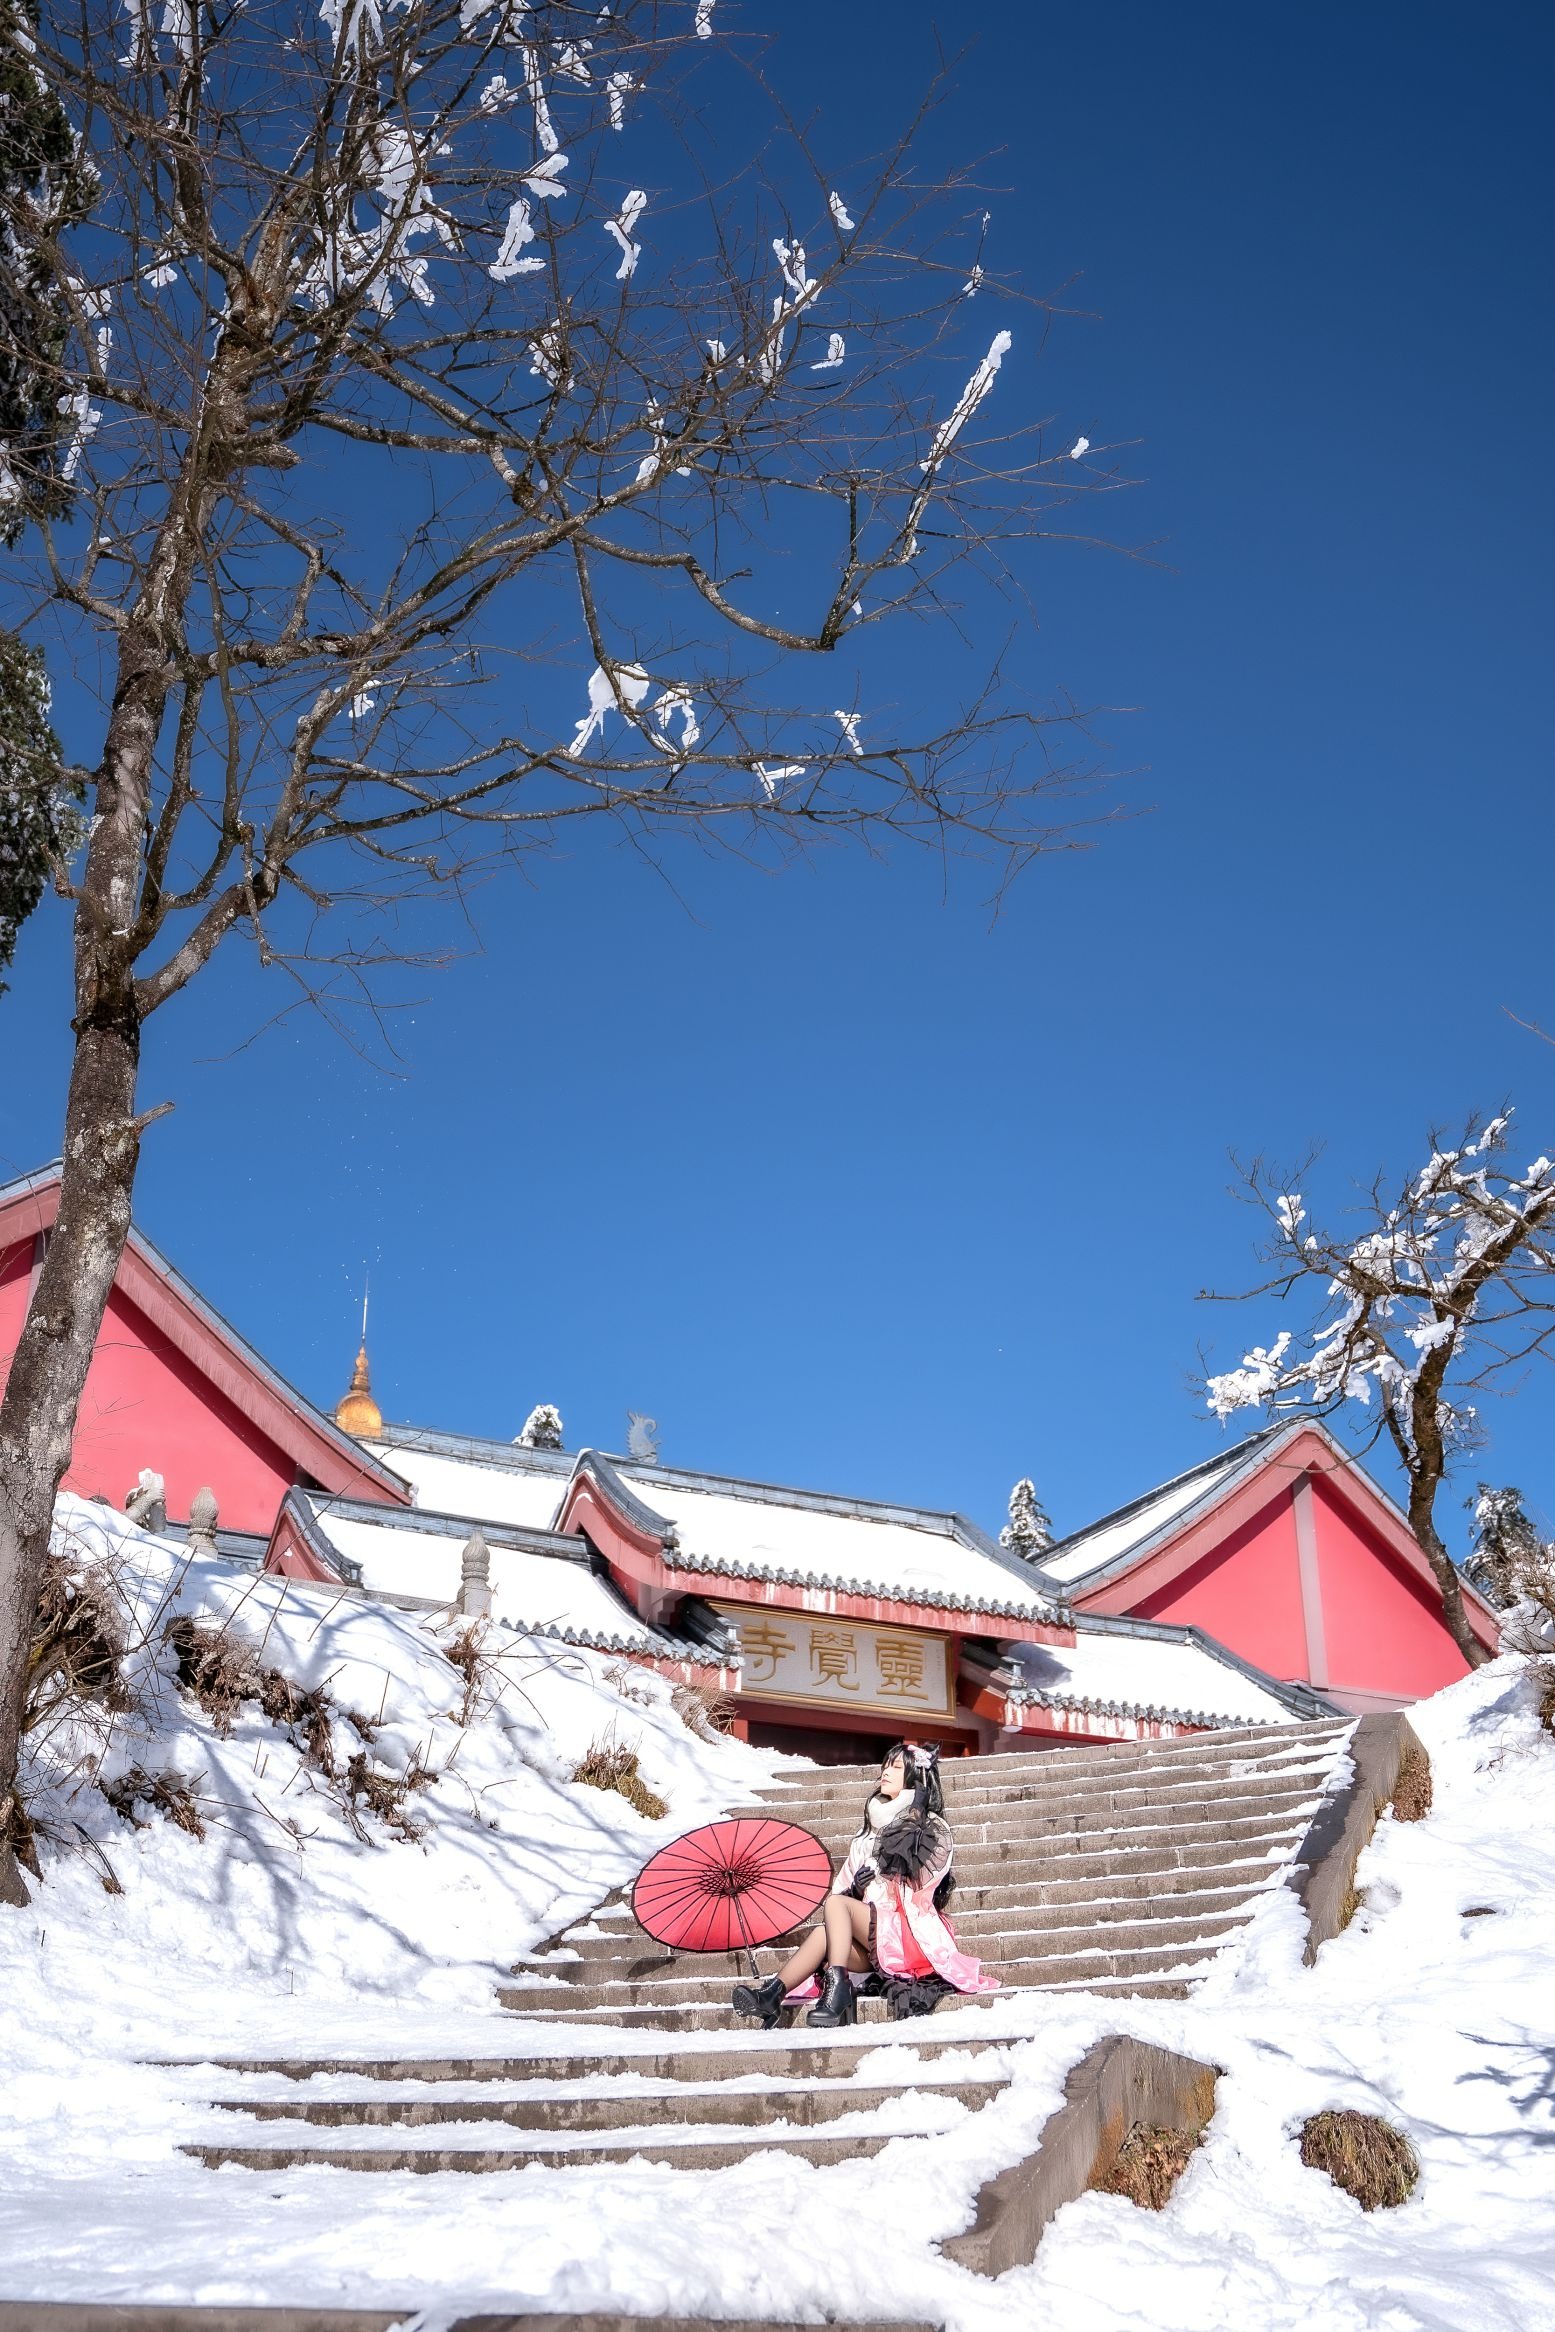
x: 731, y: 1885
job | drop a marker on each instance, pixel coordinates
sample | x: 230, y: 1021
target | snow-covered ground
x: 284, y: 1933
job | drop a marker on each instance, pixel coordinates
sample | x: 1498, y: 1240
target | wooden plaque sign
x: 809, y: 1659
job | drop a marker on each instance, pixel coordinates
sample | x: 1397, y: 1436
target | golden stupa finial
x: 358, y: 1413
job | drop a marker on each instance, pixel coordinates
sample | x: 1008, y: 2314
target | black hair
x: 922, y: 1762
x: 921, y: 1795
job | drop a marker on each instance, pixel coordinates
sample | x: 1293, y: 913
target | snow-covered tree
x: 40, y: 822
x: 1450, y: 1285
x: 1506, y: 1544
x: 542, y: 1427
x: 47, y: 183
x: 482, y: 417
x: 1028, y: 1530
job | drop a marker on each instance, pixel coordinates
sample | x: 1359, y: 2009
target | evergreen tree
x: 46, y: 186
x: 1028, y: 1531
x: 542, y: 1428
x: 1506, y: 1545
x: 39, y: 819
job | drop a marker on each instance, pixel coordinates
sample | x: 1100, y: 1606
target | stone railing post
x: 475, y: 1578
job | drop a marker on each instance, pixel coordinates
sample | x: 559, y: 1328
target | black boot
x: 836, y: 2004
x: 763, y: 2000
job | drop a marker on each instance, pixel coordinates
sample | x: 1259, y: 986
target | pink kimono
x: 909, y: 1937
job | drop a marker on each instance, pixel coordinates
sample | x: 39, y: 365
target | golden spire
x: 358, y: 1412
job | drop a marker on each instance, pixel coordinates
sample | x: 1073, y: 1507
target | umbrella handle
x: 751, y: 1963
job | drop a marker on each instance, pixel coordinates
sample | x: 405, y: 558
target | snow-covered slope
x: 282, y: 1892
x: 257, y: 1943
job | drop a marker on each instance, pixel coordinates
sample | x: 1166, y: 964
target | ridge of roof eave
x: 40, y: 1177
x: 440, y: 1522
x: 1148, y: 1712
x: 35, y: 1178
x: 1238, y: 1460
x: 1230, y: 1468
x: 297, y: 1507
x: 776, y: 1575
x: 1087, y: 1705
x: 598, y: 1469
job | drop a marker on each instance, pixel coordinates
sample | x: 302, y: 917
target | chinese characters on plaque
x: 790, y: 1655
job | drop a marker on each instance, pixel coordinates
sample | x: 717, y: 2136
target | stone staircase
x: 1119, y: 1871
x: 1116, y: 1871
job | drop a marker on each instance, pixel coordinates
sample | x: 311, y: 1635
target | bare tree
x: 1448, y: 1292
x: 388, y: 410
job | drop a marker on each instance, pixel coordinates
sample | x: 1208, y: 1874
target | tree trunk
x: 102, y: 1147
x: 38, y: 1413
x: 1422, y: 1521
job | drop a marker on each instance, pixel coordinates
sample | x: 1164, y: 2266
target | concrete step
x: 1082, y: 1817
x: 1014, y: 1810
x: 826, y: 2055
x: 682, y: 1982
x: 798, y: 2102
x: 1013, y: 1767
x: 1207, y: 1780
x: 697, y: 2154
x: 1022, y: 1963
x: 1022, y: 1859
x: 1172, y: 1895
x: 1162, y: 1980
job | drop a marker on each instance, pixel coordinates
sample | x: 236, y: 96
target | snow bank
x: 283, y: 1897
x: 258, y: 1942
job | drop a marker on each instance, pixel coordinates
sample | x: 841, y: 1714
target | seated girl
x: 884, y: 1922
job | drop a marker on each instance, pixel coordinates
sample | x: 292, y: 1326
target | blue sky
x: 843, y: 1184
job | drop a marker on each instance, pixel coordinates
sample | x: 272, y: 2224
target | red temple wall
x: 1383, y: 1627
x: 145, y: 1404
x: 1246, y: 1591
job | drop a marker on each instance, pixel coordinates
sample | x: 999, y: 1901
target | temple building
x: 1274, y: 1581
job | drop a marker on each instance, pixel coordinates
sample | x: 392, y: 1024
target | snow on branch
x: 967, y: 403
x: 1461, y: 1262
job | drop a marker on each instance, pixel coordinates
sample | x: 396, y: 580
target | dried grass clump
x: 385, y: 1795
x: 218, y: 1669
x: 466, y: 1650
x: 1412, y: 1790
x: 1349, y: 1903
x: 1148, y: 2165
x: 703, y: 1709
x: 305, y: 1712
x: 169, y: 1793
x: 610, y: 1766
x: 78, y: 1640
x: 223, y: 1673
x: 1368, y: 2157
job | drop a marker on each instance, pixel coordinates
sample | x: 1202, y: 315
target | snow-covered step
x: 1123, y: 1869
x: 801, y: 2103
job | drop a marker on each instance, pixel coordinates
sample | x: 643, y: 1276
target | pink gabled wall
x: 1246, y: 1590
x: 1307, y: 1571
x: 171, y: 1388
x: 1386, y: 1639
x: 145, y: 1404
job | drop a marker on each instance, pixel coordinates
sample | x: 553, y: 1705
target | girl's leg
x: 810, y: 1956
x: 847, y: 1933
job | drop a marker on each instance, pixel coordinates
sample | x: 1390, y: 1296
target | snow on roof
x: 543, y: 1594
x: 512, y: 1489
x: 743, y: 1528
x: 1135, y: 1672
x: 1120, y: 1534
x: 755, y: 1529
